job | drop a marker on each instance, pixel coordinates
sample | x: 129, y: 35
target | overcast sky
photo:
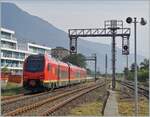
x: 65, y: 14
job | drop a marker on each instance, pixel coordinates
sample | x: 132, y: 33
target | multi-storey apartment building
x: 13, y: 55
x: 59, y: 52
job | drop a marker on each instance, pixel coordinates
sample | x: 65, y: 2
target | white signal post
x: 142, y: 22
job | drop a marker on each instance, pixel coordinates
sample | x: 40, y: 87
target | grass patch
x: 126, y: 108
x: 12, y: 89
x: 126, y: 105
x: 89, y: 109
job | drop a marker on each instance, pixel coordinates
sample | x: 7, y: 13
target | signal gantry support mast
x: 93, y: 58
x: 112, y: 28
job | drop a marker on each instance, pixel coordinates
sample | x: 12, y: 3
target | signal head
x: 129, y: 20
x: 72, y: 48
x: 125, y: 47
x: 143, y: 21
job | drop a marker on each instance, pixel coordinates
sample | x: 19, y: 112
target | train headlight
x: 32, y: 83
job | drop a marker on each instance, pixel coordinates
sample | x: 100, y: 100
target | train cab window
x: 48, y: 67
x: 35, y: 63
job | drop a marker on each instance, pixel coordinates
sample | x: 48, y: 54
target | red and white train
x: 41, y: 71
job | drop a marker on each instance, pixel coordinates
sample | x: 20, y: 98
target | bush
x: 143, y: 75
x: 5, y: 70
x: 130, y: 76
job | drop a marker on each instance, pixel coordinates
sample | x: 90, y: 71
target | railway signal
x: 112, y: 28
x: 72, y: 48
x: 73, y: 45
x: 125, y: 50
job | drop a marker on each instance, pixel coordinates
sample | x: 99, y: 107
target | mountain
x: 34, y: 29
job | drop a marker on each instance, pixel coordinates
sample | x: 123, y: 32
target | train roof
x: 71, y: 65
x: 64, y: 63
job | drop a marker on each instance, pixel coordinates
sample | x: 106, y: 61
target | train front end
x: 33, y: 72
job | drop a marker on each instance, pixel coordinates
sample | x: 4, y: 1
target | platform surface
x: 111, y: 108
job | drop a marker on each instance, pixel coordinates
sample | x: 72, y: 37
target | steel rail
x: 11, y: 97
x: 59, y: 105
x: 141, y: 90
x: 21, y: 97
x: 37, y: 104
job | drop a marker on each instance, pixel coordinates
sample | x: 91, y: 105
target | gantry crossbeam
x: 96, y: 32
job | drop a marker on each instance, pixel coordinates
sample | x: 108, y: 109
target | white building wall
x: 13, y: 56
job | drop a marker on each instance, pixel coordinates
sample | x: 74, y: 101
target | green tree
x: 143, y: 71
x: 143, y: 75
x: 5, y: 70
x: 89, y: 72
x: 76, y: 59
x: 132, y: 67
x: 144, y: 64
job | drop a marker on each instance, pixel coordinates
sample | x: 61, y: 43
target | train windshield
x: 35, y: 63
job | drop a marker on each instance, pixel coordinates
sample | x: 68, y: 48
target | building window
x: 6, y: 35
x: 8, y: 45
x: 7, y: 54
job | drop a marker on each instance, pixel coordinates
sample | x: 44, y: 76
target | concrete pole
x: 105, y: 70
x: 135, y: 75
x: 113, y: 61
x: 126, y: 69
x: 95, y: 65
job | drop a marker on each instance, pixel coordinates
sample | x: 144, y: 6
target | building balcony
x: 8, y: 46
x: 13, y: 68
x: 12, y: 40
x: 5, y: 64
x: 12, y: 58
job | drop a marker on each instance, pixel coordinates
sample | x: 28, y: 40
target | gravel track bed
x: 28, y: 101
x: 92, y: 96
x: 44, y: 107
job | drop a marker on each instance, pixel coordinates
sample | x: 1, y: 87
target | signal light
x: 129, y: 20
x: 143, y: 21
x: 125, y: 47
x: 72, y: 48
x: 125, y: 50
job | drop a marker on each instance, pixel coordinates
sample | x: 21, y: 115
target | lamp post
x: 142, y: 22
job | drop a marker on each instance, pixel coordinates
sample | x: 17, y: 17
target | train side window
x: 77, y: 74
x: 57, y: 71
x: 63, y: 74
x: 49, y: 67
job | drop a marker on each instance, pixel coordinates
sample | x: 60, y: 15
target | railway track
x: 18, y: 102
x: 11, y: 97
x: 141, y: 90
x: 54, y: 102
x: 56, y: 107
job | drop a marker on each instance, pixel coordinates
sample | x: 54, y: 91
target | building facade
x: 59, y: 52
x: 13, y: 55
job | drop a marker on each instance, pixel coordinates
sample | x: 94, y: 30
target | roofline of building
x: 8, y: 30
x: 15, y: 50
x: 39, y: 46
x: 62, y: 48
